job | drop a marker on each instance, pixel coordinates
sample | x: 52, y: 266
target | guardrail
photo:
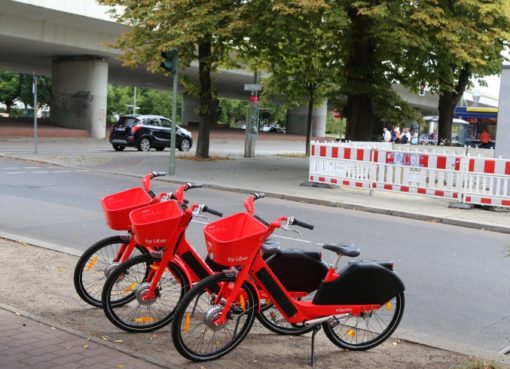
x: 469, y: 180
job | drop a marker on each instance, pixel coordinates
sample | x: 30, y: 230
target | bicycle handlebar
x: 190, y: 186
x: 294, y: 221
x: 212, y: 211
x: 258, y: 195
x: 157, y: 174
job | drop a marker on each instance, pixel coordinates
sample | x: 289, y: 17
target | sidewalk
x: 26, y: 343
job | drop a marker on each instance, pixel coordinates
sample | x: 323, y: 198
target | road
x: 454, y: 277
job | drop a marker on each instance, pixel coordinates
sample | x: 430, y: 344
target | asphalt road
x: 455, y: 277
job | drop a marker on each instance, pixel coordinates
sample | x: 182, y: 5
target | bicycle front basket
x: 156, y: 225
x: 117, y: 206
x: 231, y: 240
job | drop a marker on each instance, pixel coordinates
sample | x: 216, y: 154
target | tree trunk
x: 359, y: 118
x: 448, y: 100
x: 360, y: 79
x: 206, y: 99
x: 311, y: 103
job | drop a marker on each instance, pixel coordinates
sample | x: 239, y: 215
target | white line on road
x: 39, y: 172
x: 15, y: 173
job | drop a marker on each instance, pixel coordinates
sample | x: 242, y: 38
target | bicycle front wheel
x: 130, y: 283
x: 358, y: 333
x: 94, y: 266
x: 194, y: 332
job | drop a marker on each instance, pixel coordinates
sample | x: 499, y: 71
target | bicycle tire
x: 276, y: 323
x: 92, y: 265
x: 195, y: 311
x: 345, y: 332
x: 130, y: 279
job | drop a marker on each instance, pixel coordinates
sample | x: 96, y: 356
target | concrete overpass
x: 64, y: 40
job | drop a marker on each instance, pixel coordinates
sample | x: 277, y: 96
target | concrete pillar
x: 503, y: 126
x: 80, y: 88
x: 296, y: 120
x: 190, y: 106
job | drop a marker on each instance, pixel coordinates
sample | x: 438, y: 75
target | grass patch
x: 210, y: 158
x: 292, y: 155
x: 475, y: 363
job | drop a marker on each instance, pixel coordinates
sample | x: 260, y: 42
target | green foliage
x: 335, y: 127
x: 297, y: 42
x: 201, y: 30
x: 9, y: 88
x: 149, y: 101
x: 43, y: 90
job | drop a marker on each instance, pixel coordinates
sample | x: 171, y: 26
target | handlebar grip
x: 189, y: 186
x: 212, y: 211
x: 158, y: 174
x: 302, y: 224
x: 261, y: 220
x: 259, y: 195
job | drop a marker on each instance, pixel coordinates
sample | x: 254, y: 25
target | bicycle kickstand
x: 316, y: 328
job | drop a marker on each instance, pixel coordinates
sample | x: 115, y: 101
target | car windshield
x: 127, y: 122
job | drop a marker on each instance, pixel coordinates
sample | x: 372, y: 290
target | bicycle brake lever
x: 286, y: 227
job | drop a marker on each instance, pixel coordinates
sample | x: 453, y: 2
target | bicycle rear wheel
x: 358, y: 333
x: 131, y: 281
x: 94, y: 266
x: 194, y: 333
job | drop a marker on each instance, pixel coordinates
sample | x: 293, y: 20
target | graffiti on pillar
x: 77, y: 103
x: 101, y: 117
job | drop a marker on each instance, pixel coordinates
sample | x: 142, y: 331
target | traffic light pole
x: 34, y: 92
x: 171, y: 166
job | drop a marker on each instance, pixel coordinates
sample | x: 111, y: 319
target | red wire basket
x: 155, y: 225
x: 232, y: 240
x: 117, y: 207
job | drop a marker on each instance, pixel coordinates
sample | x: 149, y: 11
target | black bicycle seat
x: 343, y: 249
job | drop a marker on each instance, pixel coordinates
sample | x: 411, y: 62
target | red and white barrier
x: 340, y: 165
x: 482, y: 181
x: 487, y: 182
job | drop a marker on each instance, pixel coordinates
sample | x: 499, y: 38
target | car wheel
x: 118, y: 147
x: 144, y: 144
x: 185, y: 144
x: 160, y: 148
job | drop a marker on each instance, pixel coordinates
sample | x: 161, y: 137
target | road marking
x: 15, y: 173
x: 39, y: 172
x: 62, y: 171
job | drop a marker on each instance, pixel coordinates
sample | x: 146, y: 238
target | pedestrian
x: 405, y: 137
x: 386, y: 135
x: 414, y: 137
x: 485, y: 139
x: 395, y: 134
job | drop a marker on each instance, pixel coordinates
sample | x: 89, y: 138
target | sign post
x: 34, y: 92
x: 252, y: 119
x: 170, y: 65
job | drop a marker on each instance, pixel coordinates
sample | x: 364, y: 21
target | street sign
x: 252, y: 87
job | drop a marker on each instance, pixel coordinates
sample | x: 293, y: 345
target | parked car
x: 148, y: 131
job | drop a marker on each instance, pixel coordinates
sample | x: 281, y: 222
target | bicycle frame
x: 294, y: 311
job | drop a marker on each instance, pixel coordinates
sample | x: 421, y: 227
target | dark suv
x: 147, y: 131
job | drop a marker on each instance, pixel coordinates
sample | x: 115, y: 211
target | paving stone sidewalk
x: 28, y: 344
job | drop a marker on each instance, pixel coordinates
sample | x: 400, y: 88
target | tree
x: 297, y: 42
x: 453, y: 41
x: 26, y: 95
x: 9, y: 89
x: 201, y: 30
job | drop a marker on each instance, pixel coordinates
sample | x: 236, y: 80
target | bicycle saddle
x: 343, y: 249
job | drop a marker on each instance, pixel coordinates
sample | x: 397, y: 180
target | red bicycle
x: 150, y: 286
x: 100, y: 259
x: 358, y: 306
